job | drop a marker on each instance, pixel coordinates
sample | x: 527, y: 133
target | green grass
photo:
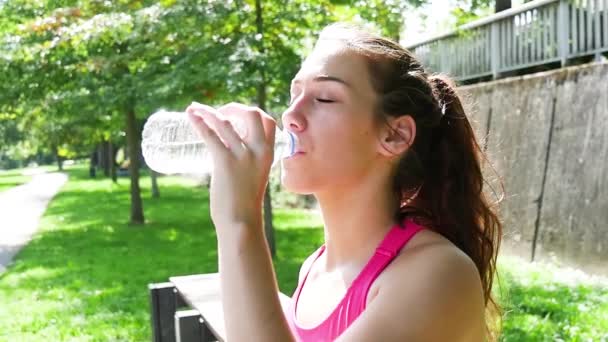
x: 15, y: 177
x: 542, y: 302
x: 84, y: 276
x: 12, y: 178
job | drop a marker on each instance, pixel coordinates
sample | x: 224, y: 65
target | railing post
x: 563, y: 31
x: 495, y: 49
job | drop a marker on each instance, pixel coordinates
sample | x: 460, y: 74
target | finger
x: 266, y: 126
x: 270, y: 126
x: 260, y: 131
x: 222, y: 126
x: 210, y: 138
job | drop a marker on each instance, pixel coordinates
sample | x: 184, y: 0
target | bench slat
x: 203, y: 293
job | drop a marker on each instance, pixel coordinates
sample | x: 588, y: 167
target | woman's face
x: 332, y: 114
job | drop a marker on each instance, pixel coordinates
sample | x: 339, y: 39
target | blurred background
x: 85, y: 226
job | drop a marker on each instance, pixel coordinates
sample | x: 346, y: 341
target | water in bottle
x: 170, y: 144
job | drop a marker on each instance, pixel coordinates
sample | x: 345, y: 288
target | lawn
x: 543, y: 302
x: 12, y: 178
x: 84, y: 276
x: 15, y: 177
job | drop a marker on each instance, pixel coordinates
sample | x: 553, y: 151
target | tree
x: 126, y: 59
x: 466, y: 11
x: 386, y: 15
x: 104, y: 54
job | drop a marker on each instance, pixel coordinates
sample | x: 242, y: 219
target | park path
x: 20, y: 210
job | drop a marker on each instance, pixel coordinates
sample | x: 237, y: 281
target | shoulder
x: 437, y: 280
x: 430, y: 256
x: 430, y: 259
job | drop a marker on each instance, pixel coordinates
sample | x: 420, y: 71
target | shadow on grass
x: 85, y: 274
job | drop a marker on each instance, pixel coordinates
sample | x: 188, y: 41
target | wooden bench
x: 189, y: 308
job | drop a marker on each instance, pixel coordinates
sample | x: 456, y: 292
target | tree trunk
x: 501, y: 5
x: 99, y: 157
x: 104, y: 160
x: 261, y: 95
x: 153, y: 177
x: 112, y: 161
x: 137, y: 213
x: 93, y: 164
x: 58, y: 158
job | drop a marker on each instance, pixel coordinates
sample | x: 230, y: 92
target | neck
x: 357, y: 217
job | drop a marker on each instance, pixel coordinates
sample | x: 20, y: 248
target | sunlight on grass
x: 298, y: 234
x: 15, y: 177
x: 542, y: 302
x: 89, y: 267
x: 85, y: 275
x: 12, y: 179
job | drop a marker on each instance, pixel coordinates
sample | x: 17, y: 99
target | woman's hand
x: 241, y: 165
x: 252, y: 311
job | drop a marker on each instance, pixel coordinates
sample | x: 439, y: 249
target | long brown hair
x: 441, y: 172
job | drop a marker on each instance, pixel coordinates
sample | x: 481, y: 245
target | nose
x: 293, y: 117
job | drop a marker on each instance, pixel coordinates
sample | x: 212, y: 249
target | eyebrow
x: 325, y: 78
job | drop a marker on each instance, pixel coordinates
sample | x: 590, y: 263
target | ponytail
x: 450, y: 196
x: 455, y: 184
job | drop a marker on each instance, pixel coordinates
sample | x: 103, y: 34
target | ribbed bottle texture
x: 170, y: 145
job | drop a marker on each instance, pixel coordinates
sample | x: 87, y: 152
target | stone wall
x: 547, y: 138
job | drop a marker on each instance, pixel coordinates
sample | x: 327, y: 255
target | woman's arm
x: 252, y: 310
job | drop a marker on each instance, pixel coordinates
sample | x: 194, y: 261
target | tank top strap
x: 389, y: 248
x: 354, y: 301
x: 396, y: 238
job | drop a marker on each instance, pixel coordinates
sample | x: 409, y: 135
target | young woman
x: 386, y: 149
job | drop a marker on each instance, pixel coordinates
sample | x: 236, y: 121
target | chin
x: 299, y: 185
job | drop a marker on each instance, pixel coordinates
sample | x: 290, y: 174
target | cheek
x: 339, y: 157
x: 350, y: 155
x: 351, y: 144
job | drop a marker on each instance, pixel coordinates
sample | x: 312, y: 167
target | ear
x: 397, y: 136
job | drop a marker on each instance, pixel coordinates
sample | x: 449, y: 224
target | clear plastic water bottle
x: 171, y: 145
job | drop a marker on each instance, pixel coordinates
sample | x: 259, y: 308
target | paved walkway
x: 20, y: 210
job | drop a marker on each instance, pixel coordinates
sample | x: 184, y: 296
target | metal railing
x: 539, y: 32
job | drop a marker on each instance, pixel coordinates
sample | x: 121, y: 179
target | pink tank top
x: 353, y: 302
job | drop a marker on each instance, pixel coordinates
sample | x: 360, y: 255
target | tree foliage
x: 76, y: 72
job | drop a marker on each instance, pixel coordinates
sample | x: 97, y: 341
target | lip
x: 298, y: 153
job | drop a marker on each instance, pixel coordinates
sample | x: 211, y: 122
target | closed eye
x: 318, y: 100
